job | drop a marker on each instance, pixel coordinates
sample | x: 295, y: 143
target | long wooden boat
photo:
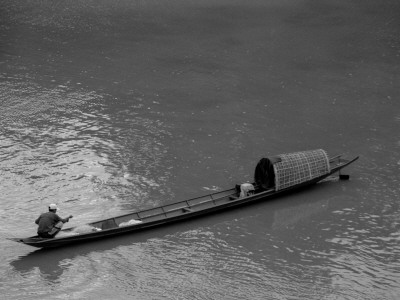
x: 289, y: 172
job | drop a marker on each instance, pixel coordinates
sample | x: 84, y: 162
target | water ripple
x: 61, y: 145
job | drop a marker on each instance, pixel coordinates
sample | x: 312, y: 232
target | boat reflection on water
x: 272, y: 215
x: 289, y: 216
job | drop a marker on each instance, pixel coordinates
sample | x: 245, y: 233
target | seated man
x: 50, y: 223
x: 246, y: 189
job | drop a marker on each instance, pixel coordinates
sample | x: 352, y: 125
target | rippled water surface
x: 111, y: 106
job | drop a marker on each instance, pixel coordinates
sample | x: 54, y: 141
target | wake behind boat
x: 273, y: 177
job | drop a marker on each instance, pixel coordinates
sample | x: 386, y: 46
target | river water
x: 112, y: 106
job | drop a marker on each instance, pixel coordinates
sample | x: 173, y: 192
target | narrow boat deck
x: 170, y: 210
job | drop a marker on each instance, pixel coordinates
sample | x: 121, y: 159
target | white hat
x: 53, y: 207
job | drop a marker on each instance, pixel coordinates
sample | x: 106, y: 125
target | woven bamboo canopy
x: 299, y: 167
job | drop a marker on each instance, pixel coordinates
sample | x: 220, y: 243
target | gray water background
x: 112, y: 106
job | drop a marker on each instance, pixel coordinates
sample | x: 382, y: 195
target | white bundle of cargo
x: 130, y: 222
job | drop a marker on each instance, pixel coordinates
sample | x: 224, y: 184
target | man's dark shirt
x: 47, y: 220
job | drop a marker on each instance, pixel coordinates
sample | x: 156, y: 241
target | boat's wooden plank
x: 150, y: 212
x: 176, y: 212
x: 191, y: 202
x: 108, y: 224
x: 211, y: 196
x: 175, y: 209
x: 167, y: 211
x: 175, y: 206
x: 155, y: 217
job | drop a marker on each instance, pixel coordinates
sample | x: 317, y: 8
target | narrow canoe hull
x: 175, y: 212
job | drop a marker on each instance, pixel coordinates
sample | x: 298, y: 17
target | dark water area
x: 111, y: 106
